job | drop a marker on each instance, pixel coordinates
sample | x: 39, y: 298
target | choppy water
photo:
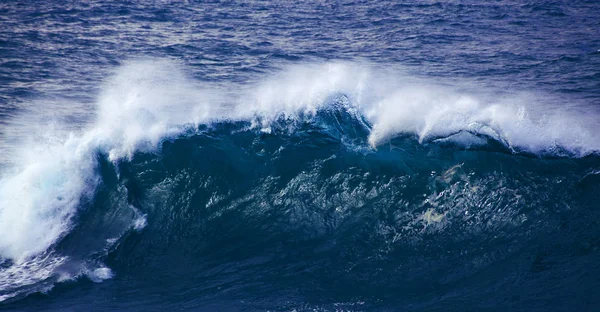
x: 322, y: 156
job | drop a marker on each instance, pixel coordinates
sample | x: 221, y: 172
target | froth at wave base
x: 54, y: 182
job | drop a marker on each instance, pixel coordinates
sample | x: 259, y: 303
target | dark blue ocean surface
x: 312, y: 156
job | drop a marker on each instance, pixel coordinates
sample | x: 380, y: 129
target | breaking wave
x: 317, y: 147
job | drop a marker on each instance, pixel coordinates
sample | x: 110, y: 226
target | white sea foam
x: 100, y: 274
x: 37, y: 203
x: 39, y: 196
x: 140, y: 220
x: 28, y: 272
x: 396, y: 103
x: 147, y: 101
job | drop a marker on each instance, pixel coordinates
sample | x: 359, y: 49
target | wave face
x: 323, y: 186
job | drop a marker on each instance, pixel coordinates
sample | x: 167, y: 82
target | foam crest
x: 396, y: 103
x: 37, y: 203
x: 519, y: 122
x: 303, y: 89
x: 144, y: 103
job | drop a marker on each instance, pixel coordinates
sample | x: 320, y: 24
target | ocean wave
x: 67, y: 202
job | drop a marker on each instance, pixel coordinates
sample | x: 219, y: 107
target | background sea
x: 299, y: 155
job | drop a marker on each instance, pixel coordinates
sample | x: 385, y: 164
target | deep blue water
x: 313, y: 156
